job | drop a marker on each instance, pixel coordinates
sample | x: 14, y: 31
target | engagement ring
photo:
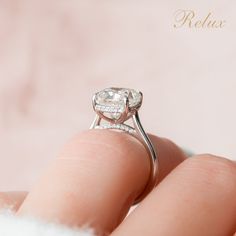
x: 114, y: 108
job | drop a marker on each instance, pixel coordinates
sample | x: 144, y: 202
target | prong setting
x: 116, y: 104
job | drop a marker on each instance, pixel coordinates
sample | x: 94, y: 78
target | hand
x: 99, y: 173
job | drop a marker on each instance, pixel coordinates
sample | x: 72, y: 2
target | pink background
x: 54, y: 54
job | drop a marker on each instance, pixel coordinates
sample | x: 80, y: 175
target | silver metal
x: 130, y: 112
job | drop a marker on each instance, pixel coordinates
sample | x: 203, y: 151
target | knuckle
x: 213, y: 170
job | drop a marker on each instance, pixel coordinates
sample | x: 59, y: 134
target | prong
x: 96, y: 121
x: 125, y: 113
x: 94, y: 102
x: 141, y: 94
x: 126, y: 102
x: 140, y: 103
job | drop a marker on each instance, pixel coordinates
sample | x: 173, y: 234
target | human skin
x: 99, y: 173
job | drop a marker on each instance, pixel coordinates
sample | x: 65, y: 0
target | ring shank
x: 141, y: 135
x: 153, y: 158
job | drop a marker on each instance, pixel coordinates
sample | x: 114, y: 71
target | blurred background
x: 54, y: 54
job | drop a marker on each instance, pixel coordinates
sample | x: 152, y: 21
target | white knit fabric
x: 11, y: 225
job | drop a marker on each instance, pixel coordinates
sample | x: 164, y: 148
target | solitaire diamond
x: 112, y: 101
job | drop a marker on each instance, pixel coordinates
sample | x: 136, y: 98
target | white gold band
x: 119, y: 105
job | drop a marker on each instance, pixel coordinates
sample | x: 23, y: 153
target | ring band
x: 117, y: 106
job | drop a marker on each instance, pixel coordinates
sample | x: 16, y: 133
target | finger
x: 197, y: 198
x: 169, y: 155
x: 11, y: 200
x: 96, y: 179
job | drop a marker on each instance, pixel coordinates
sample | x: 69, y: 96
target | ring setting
x: 114, y: 108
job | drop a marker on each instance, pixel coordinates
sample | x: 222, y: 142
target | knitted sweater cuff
x: 11, y: 225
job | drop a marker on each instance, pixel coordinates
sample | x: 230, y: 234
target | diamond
x: 115, y: 96
x: 113, y: 101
